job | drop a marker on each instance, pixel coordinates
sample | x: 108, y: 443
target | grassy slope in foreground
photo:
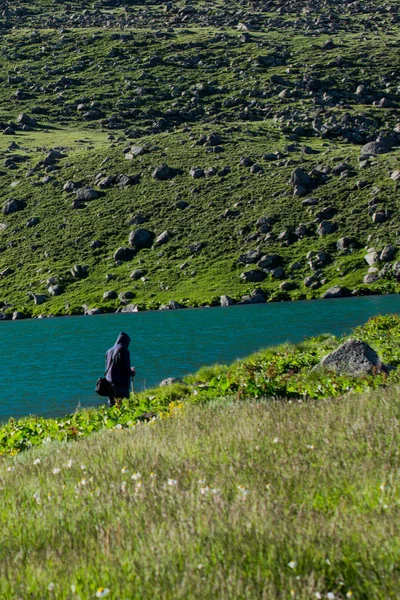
x: 230, y: 500
x: 282, y: 372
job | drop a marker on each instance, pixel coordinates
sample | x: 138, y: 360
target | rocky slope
x: 165, y: 155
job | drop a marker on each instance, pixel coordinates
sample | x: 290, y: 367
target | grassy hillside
x: 233, y: 98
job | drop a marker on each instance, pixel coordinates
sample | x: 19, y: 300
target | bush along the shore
x: 285, y: 372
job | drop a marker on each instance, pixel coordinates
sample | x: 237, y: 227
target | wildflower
x: 102, y: 592
x: 73, y: 588
x: 124, y: 469
x: 123, y: 486
x: 292, y: 593
x: 51, y: 587
x: 200, y: 566
x: 118, y: 426
x: 69, y: 464
x: 382, y: 487
x: 349, y: 594
x: 83, y: 467
x: 36, y: 496
x: 276, y: 440
x: 204, y: 490
x: 172, y: 482
x: 328, y: 562
x: 330, y: 596
x: 36, y: 461
x: 310, y: 446
x: 244, y: 490
x: 318, y: 595
x: 83, y: 482
x: 153, y: 475
x: 56, y: 470
x: 292, y: 564
x: 136, y: 476
x: 268, y: 486
x: 10, y: 469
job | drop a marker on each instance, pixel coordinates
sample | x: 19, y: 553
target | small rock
x: 226, y: 301
x: 336, y: 292
x: 86, y: 194
x: 110, y: 295
x: 169, y: 381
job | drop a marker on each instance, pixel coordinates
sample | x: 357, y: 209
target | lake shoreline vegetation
x: 285, y: 372
x: 258, y: 479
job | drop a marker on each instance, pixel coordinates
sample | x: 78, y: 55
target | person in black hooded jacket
x: 118, y: 368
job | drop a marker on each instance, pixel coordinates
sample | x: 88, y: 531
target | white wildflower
x: 102, y: 592
x: 292, y: 564
x: 51, y: 587
x: 172, y: 482
x: 36, y: 461
x: 136, y: 476
x: 56, y: 470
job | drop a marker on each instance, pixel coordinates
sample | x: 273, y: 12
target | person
x: 118, y: 368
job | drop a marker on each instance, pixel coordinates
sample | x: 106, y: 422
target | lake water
x: 50, y: 366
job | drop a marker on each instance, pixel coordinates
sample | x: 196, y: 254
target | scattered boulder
x: 86, y: 194
x: 79, y: 271
x: 163, y: 173
x: 137, y: 274
x: 110, y: 295
x: 55, y: 290
x: 250, y: 257
x: 169, y: 381
x: 130, y: 308
x: 326, y: 228
x: 11, y: 206
x: 253, y: 276
x: 336, y: 292
x: 226, y: 301
x: 141, y: 238
x: 39, y: 298
x: 387, y: 253
x: 353, y: 357
x: 371, y: 258
x: 124, y: 254
x: 163, y: 238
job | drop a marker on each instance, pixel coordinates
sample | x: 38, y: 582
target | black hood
x: 123, y: 340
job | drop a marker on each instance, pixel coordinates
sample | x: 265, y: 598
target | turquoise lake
x: 50, y: 366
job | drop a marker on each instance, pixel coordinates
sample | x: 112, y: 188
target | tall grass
x: 228, y: 500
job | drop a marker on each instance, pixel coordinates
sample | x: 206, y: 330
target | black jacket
x: 118, y: 362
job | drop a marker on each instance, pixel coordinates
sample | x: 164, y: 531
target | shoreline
x: 19, y: 316
x: 295, y: 379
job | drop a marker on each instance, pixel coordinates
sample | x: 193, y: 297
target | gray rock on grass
x: 11, y: 206
x: 353, y: 357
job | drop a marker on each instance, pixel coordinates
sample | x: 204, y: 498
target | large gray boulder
x: 353, y: 357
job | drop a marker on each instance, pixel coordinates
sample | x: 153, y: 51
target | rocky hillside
x: 166, y: 155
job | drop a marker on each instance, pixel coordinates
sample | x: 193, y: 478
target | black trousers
x: 119, y: 391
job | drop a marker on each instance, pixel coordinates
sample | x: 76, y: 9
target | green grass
x: 229, y: 500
